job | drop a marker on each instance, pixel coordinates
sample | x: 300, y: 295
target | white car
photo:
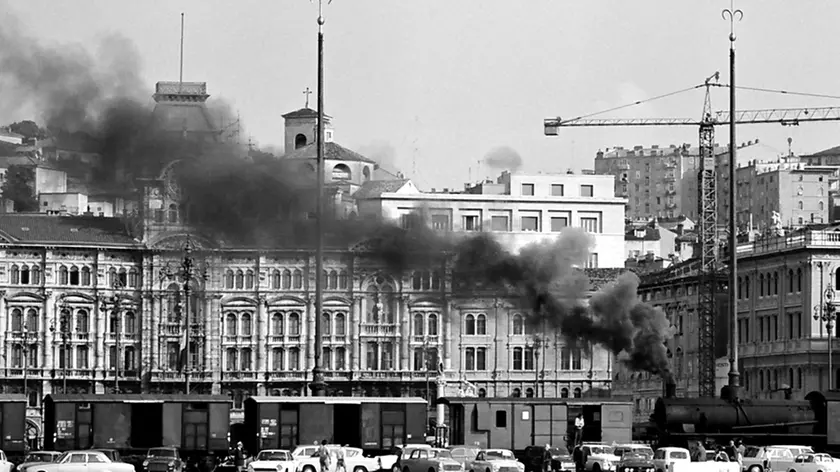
x: 665, y: 457
x: 5, y: 465
x: 354, y: 461
x: 495, y: 460
x: 84, y: 461
x: 273, y: 460
x: 815, y: 463
x: 599, y: 457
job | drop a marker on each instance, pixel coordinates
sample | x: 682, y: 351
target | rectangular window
x: 499, y: 223
x: 530, y: 223
x: 592, y: 261
x: 528, y: 190
x: 558, y: 223
x: 471, y: 223
x: 408, y: 221
x: 440, y: 222
x: 517, y: 359
x: 481, y: 359
x: 529, y: 358
x: 556, y: 190
x: 587, y: 191
x: 501, y: 419
x: 469, y: 359
x: 590, y: 224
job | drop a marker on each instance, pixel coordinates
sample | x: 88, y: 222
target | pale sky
x: 445, y: 81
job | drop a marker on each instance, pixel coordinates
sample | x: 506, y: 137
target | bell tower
x: 301, y: 124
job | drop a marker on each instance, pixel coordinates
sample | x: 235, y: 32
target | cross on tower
x: 307, y: 92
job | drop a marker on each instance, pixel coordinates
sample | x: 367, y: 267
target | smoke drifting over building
x: 265, y: 202
x: 503, y: 158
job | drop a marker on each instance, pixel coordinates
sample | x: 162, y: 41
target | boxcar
x: 515, y: 423
x: 12, y: 423
x: 194, y: 423
x: 371, y: 423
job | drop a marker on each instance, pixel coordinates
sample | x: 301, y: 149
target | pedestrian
x: 701, y: 452
x: 339, y: 458
x: 324, y: 456
x: 239, y: 457
x: 577, y: 455
x: 547, y: 458
x: 579, y: 424
x: 731, y: 451
x: 741, y: 450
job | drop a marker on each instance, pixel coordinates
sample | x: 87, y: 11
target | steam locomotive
x: 814, y: 421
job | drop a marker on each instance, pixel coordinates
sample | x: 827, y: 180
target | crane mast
x: 707, y: 196
x: 707, y: 214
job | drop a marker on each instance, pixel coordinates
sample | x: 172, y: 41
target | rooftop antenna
x: 181, y: 62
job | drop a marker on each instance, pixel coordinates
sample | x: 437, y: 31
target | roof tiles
x: 70, y: 230
x: 332, y: 151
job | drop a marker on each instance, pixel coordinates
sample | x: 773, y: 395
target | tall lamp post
x: 28, y: 338
x: 537, y: 347
x: 64, y: 330
x: 112, y: 306
x: 187, y: 273
x: 827, y: 313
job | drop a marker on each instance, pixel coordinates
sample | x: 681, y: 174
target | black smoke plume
x: 503, y: 158
x: 237, y: 198
x: 544, y: 274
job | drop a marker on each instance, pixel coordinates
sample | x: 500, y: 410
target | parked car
x: 464, y: 454
x: 814, y: 463
x: 560, y: 459
x: 273, y: 460
x: 403, y: 451
x: 354, y: 460
x: 759, y: 459
x: 83, y: 461
x: 163, y: 459
x: 599, y: 457
x: 303, y: 452
x: 422, y: 460
x: 112, y: 454
x: 495, y: 460
x: 665, y: 457
x: 623, y: 449
x: 635, y: 461
x: 36, y: 458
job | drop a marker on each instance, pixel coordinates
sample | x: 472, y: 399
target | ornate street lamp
x: 827, y: 313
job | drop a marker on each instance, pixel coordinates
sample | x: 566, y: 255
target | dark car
x: 634, y: 461
x: 560, y: 459
x: 163, y: 459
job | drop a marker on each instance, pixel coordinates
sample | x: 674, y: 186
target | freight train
x: 13, y: 424
x: 516, y: 423
x: 814, y: 421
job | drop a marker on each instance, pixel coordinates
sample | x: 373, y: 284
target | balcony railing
x: 373, y: 329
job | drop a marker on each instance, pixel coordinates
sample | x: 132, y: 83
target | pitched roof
x: 375, y: 188
x: 650, y: 234
x: 332, y: 151
x: 305, y: 112
x: 11, y: 134
x: 827, y: 152
x: 64, y: 230
x: 7, y: 161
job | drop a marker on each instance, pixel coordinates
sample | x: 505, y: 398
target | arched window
x: 469, y: 325
x: 122, y: 277
x: 325, y: 324
x: 340, y: 324
x: 761, y: 285
x: 516, y: 393
x: 426, y: 280
x: 436, y: 280
x: 481, y: 325
x: 801, y: 205
x: 228, y: 278
x: 230, y: 324
x: 24, y: 275
x: 577, y: 393
x: 790, y: 281
x: 275, y: 279
x: 342, y: 280
x: 294, y: 324
x: 130, y: 323
x: 278, y: 359
x: 287, y: 279
x: 249, y: 280
x: 799, y: 280
x: 232, y: 358
x: 366, y: 173
x: 245, y: 324
x: 82, y: 322
x: 133, y: 279
x: 240, y: 279
x: 32, y: 320
x: 418, y: 325
x: 433, y: 324
x: 482, y: 393
x: 517, y: 324
x: 277, y: 324
x: 17, y: 320
x: 529, y: 392
x: 35, y: 279
x: 821, y: 206
x: 245, y: 359
x: 129, y: 362
x: 333, y: 280
x: 775, y: 282
x: 15, y: 273
x: 326, y: 358
x: 297, y: 279
x: 62, y: 275
x: 300, y: 140
x: 564, y: 392
x: 415, y: 280
x: 341, y: 172
x: 86, y: 276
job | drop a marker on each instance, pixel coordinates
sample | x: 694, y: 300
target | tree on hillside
x: 19, y: 187
x: 29, y: 129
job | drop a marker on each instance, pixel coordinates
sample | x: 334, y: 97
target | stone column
x: 378, y: 355
x: 4, y: 328
x: 209, y: 317
x: 451, y: 315
x: 405, y: 333
x: 48, y: 340
x: 355, y: 328
x: 100, y: 326
x: 262, y: 332
x: 214, y: 342
x: 308, y: 334
x: 501, y: 353
x: 148, y: 336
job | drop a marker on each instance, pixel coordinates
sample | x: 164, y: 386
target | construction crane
x: 707, y: 191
